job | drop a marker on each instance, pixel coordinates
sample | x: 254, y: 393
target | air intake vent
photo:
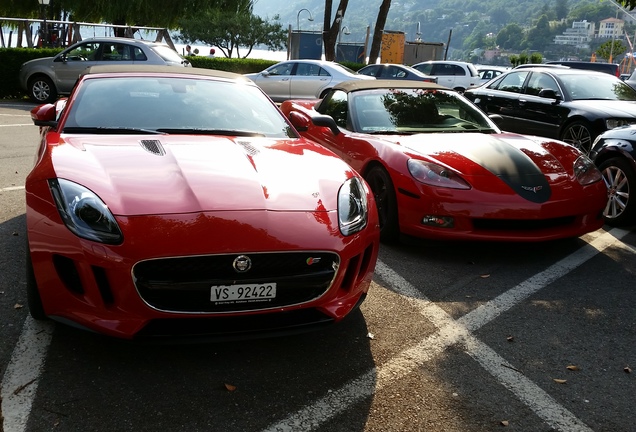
x: 153, y: 146
x: 249, y: 148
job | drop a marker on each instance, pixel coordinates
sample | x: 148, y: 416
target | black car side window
x: 512, y: 82
x: 539, y: 81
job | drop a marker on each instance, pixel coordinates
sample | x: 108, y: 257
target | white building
x: 611, y: 28
x: 580, y: 35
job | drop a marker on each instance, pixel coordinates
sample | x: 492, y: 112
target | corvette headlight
x: 352, y: 207
x: 436, y: 175
x: 84, y: 213
x: 585, y: 171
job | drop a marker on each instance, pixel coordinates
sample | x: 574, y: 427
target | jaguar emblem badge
x: 242, y: 263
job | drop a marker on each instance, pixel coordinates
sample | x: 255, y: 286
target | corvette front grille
x: 522, y: 224
x: 184, y: 284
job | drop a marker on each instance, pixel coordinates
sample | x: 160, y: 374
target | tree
x: 332, y: 30
x: 157, y: 13
x: 610, y: 50
x: 231, y: 27
x: 561, y: 9
x: 378, y: 31
x: 510, y: 37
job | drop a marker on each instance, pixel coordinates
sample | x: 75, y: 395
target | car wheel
x: 36, y: 309
x: 42, y: 90
x: 382, y: 188
x: 620, y: 179
x: 579, y: 135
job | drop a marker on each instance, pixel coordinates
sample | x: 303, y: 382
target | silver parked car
x: 302, y: 79
x: 46, y: 78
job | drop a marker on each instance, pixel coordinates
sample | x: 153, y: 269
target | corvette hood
x: 523, y: 164
x: 161, y: 174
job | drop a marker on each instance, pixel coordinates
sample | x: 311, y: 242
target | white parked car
x: 488, y: 72
x: 457, y: 75
x: 302, y: 79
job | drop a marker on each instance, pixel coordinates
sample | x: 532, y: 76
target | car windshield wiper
x: 109, y: 130
x: 201, y: 131
x: 384, y: 132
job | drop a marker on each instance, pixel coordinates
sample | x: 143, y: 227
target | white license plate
x: 243, y: 293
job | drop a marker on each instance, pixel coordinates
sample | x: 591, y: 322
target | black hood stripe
x: 512, y: 166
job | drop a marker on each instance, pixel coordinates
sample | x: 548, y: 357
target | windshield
x: 597, y: 86
x: 415, y: 111
x: 168, y: 54
x: 174, y: 105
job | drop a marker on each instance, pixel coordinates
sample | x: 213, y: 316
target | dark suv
x: 610, y: 68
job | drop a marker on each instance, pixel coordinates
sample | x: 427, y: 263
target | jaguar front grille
x: 184, y: 284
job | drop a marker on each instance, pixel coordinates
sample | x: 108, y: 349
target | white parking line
x: 456, y: 332
x: 20, y: 380
x: 11, y: 188
x: 21, y: 124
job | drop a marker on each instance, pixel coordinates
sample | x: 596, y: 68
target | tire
x: 386, y: 202
x: 579, y: 134
x: 620, y: 179
x: 42, y: 90
x: 36, y: 309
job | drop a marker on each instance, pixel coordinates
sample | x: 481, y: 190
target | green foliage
x: 536, y: 58
x: 232, y: 28
x: 610, y: 50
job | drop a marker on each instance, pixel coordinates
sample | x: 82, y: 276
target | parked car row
x: 303, y: 192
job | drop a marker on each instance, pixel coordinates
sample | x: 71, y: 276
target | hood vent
x: 153, y: 146
x: 249, y: 148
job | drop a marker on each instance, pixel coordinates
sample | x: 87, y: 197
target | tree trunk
x: 331, y: 32
x: 377, y: 32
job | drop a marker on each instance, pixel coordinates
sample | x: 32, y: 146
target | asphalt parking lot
x: 453, y: 337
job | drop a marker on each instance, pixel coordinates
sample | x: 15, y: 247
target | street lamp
x: 311, y: 18
x: 344, y: 30
x: 43, y: 5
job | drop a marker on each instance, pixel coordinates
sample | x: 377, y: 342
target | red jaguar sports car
x: 441, y: 169
x: 179, y: 203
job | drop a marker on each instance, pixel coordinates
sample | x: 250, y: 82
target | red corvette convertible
x: 441, y: 169
x: 178, y: 202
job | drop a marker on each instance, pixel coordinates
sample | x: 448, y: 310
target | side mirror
x: 326, y: 121
x: 549, y: 94
x: 44, y: 115
x: 498, y: 119
x: 300, y: 122
x: 265, y: 73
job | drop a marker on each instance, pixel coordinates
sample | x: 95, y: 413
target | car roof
x: 560, y: 70
x: 161, y: 69
x: 349, y: 86
x: 120, y: 39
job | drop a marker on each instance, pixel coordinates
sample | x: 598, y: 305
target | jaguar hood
x: 161, y: 174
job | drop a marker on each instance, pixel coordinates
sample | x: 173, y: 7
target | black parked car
x: 396, y: 71
x: 572, y: 105
x: 614, y: 152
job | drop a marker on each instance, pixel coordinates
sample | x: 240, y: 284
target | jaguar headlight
x: 84, y: 213
x: 352, y: 207
x: 585, y: 171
